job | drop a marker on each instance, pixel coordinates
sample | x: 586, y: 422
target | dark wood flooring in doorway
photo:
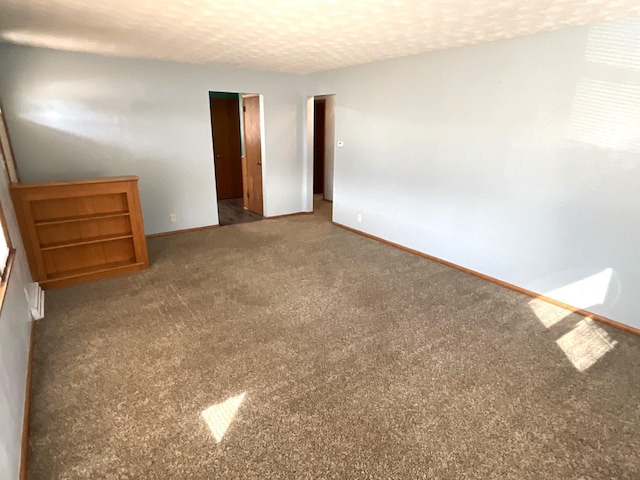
x: 231, y: 211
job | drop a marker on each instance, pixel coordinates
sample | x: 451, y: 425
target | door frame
x: 263, y: 154
x: 263, y: 158
x: 308, y: 148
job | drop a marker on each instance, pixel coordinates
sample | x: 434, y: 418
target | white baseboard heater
x: 35, y: 298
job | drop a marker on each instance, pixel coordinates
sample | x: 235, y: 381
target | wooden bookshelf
x: 81, y: 231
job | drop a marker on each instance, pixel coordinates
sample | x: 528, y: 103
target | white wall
x: 14, y: 346
x: 519, y: 159
x: 75, y: 116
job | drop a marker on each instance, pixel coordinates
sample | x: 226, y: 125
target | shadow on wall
x: 64, y: 166
x: 114, y: 160
x: 135, y: 134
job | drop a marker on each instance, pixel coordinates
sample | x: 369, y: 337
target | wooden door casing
x: 253, y: 152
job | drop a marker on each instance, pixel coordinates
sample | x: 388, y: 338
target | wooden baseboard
x: 186, y: 230
x: 288, y: 215
x: 510, y: 286
x: 27, y: 406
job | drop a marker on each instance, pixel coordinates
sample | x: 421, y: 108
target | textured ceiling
x: 298, y: 36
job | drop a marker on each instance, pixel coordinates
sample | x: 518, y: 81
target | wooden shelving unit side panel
x: 20, y: 198
x: 80, y: 231
x: 137, y: 224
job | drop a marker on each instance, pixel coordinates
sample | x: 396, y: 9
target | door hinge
x: 244, y: 109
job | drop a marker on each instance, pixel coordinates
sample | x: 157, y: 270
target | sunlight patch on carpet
x: 219, y: 416
x: 585, y: 344
x: 548, y: 313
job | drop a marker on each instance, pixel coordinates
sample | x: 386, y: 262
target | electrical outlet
x: 359, y: 218
x: 173, y: 217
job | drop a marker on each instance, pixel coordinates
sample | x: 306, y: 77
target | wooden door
x: 253, y: 152
x: 225, y: 127
x: 319, y: 120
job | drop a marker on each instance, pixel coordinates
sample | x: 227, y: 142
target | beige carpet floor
x: 294, y: 349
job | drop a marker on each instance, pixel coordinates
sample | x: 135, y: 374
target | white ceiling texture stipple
x: 298, y: 36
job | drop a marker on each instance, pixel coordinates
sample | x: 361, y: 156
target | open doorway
x: 237, y: 152
x: 323, y: 151
x: 319, y: 147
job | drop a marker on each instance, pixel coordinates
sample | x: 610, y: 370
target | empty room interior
x: 320, y: 239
